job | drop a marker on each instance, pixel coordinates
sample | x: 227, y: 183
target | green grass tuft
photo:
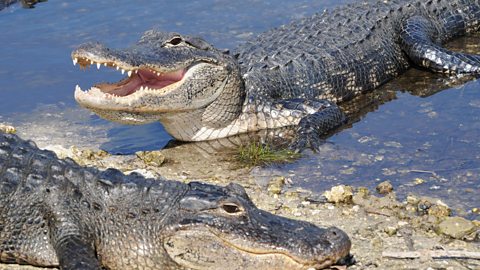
x: 256, y: 153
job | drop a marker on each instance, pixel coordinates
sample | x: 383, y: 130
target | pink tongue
x: 152, y: 80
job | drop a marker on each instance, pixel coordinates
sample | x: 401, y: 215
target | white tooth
x: 75, y: 60
x: 91, y: 61
x: 77, y: 88
x: 105, y: 64
x: 129, y: 73
x: 136, y: 71
x: 98, y: 65
x: 118, y: 67
x: 141, y: 88
x: 123, y: 71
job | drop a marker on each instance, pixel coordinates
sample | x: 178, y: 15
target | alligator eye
x: 231, y: 208
x: 175, y: 41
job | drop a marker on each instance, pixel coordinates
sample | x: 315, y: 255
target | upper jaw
x: 130, y: 60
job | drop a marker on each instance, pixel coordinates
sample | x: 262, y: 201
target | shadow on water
x: 402, y: 132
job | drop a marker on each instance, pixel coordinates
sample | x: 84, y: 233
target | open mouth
x: 137, y: 79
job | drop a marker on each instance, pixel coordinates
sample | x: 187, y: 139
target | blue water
x: 433, y: 138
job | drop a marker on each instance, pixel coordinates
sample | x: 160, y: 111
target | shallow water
x: 407, y: 140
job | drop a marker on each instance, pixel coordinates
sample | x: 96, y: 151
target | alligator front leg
x: 319, y: 117
x: 74, y: 251
x: 418, y: 39
x: 75, y: 254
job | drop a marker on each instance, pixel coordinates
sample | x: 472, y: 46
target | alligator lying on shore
x: 290, y: 76
x: 56, y: 213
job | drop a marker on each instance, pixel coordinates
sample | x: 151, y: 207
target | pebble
x: 418, y: 181
x: 339, y: 194
x: 7, y: 129
x: 151, y: 158
x: 275, y: 185
x: 384, y: 187
x: 390, y: 230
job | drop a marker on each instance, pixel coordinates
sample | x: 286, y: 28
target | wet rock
x: 418, y: 181
x: 432, y: 207
x: 384, y: 187
x: 439, y: 211
x: 151, y: 158
x: 339, y: 194
x: 275, y: 185
x: 455, y: 227
x: 7, y: 129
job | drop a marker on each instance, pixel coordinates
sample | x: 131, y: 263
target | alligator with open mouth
x: 55, y: 213
x: 294, y: 75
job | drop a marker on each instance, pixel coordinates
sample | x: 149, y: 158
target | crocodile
x: 293, y: 75
x: 54, y: 212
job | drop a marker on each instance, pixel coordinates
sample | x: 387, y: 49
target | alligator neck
x: 217, y: 117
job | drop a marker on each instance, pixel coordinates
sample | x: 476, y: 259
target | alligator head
x: 220, y: 228
x: 167, y: 75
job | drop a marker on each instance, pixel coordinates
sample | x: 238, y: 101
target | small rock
x: 418, y: 181
x: 275, y: 185
x: 455, y: 227
x: 7, y: 129
x: 384, y: 187
x: 439, y: 211
x: 390, y: 230
x: 363, y: 192
x: 423, y: 206
x: 339, y: 194
x: 411, y: 199
x: 151, y: 158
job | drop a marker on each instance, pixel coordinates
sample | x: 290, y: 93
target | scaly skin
x: 56, y: 213
x: 289, y: 76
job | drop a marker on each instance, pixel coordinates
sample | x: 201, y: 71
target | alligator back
x: 24, y: 233
x: 44, y: 199
x: 354, y: 48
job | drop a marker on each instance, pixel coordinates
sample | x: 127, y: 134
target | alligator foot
x: 419, y: 43
x: 321, y: 117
